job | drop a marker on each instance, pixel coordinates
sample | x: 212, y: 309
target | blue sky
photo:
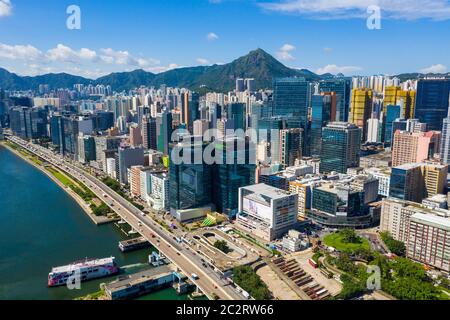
x: 156, y: 35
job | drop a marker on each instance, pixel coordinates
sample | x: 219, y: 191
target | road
x: 185, y: 258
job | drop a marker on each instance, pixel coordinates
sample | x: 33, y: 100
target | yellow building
x: 296, y: 187
x: 396, y: 96
x: 361, y: 109
x: 435, y: 176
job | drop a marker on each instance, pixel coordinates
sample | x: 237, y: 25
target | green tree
x: 222, y: 246
x: 350, y: 236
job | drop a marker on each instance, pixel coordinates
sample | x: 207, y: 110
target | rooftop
x: 263, y: 190
x: 432, y: 220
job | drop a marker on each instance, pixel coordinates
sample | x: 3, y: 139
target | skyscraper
x: 291, y: 101
x: 235, y: 170
x: 128, y: 157
x: 190, y: 176
x: 323, y: 112
x: 149, y: 138
x: 341, y: 147
x: 342, y: 88
x: 445, y: 141
x: 290, y: 146
x: 432, y: 103
x: 164, y: 131
x: 392, y: 113
x: 236, y: 113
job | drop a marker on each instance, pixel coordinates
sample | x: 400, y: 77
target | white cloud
x: 435, y: 68
x: 5, y: 8
x: 111, y: 56
x: 327, y: 50
x: 212, y: 36
x: 334, y: 69
x: 64, y: 53
x: 203, y: 61
x: 20, y: 52
x: 285, y: 52
x: 85, y: 62
x: 332, y: 9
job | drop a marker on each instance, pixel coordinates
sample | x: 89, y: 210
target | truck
x: 313, y: 263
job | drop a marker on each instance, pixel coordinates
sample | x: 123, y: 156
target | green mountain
x: 258, y: 64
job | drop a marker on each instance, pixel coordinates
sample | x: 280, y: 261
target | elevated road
x: 185, y: 258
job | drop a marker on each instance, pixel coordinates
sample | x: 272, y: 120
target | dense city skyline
x: 300, y: 36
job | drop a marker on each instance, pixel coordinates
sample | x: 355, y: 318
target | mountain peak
x: 257, y: 64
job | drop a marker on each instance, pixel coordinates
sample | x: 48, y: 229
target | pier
x: 134, y: 244
x: 138, y: 284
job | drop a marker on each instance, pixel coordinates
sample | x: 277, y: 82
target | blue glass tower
x: 321, y: 115
x: 432, y: 102
x: 291, y: 100
x: 341, y: 147
x: 392, y: 113
x: 342, y: 88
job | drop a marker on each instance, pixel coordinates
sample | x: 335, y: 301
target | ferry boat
x: 87, y: 269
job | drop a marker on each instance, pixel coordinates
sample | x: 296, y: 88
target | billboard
x: 258, y: 209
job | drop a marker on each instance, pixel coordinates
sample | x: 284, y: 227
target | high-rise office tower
x: 235, y: 170
x: 341, y: 147
x: 417, y: 181
x: 445, y: 141
x: 214, y: 114
x: 236, y: 113
x: 149, y: 138
x: 190, y: 176
x: 291, y: 101
x: 86, y: 148
x: 432, y: 103
x: 361, y: 109
x: 128, y: 157
x: 57, y: 132
x: 342, y: 88
x: 290, y: 146
x: 269, y: 131
x: 164, y: 131
x: 323, y: 112
x: 392, y: 113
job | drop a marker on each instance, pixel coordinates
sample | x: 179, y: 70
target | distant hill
x: 258, y: 64
x: 416, y: 75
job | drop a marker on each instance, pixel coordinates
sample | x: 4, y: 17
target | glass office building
x: 392, y: 113
x: 341, y: 147
x: 342, y: 88
x: 237, y: 169
x: 322, y: 106
x: 190, y: 177
x: 291, y: 100
x: 432, y: 102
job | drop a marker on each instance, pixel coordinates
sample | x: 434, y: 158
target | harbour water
x: 42, y: 227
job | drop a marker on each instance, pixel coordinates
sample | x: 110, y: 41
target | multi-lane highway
x: 185, y: 258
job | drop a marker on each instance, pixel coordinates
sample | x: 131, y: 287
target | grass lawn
x: 335, y: 240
